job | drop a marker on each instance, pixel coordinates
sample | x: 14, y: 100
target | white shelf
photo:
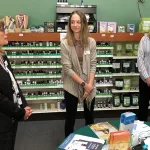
x: 124, y: 91
x: 31, y: 48
x: 40, y: 87
x: 124, y: 57
x: 104, y: 96
x: 104, y: 85
x: 104, y: 56
x: 29, y: 57
x: 34, y: 67
x: 103, y: 66
x: 81, y: 109
x: 125, y: 74
x: 37, y: 77
x: 103, y: 75
x: 44, y: 98
x: 105, y: 48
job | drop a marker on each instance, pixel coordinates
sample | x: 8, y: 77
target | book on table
x: 103, y: 129
x: 80, y: 142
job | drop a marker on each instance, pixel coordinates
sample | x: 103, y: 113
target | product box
x: 144, y: 25
x: 111, y: 28
x: 101, y: 27
x: 119, y: 140
x: 130, y: 28
x: 127, y: 121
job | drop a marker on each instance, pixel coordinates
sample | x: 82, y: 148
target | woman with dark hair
x: 143, y: 62
x: 13, y: 106
x: 78, y: 69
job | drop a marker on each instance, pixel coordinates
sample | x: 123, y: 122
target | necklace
x: 21, y: 21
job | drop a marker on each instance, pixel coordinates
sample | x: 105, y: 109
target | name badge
x: 86, y: 52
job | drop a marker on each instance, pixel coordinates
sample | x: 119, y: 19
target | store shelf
x: 103, y: 96
x: 124, y: 91
x: 37, y: 76
x: 34, y: 87
x: 103, y: 66
x: 125, y: 108
x: 39, y: 98
x: 30, y: 48
x: 105, y: 56
x: 104, y: 85
x: 34, y: 67
x: 32, y: 56
x: 124, y: 57
x: 104, y: 48
x: 124, y: 37
x: 103, y: 75
x: 125, y: 74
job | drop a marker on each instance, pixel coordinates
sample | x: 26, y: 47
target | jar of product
x: 116, y: 66
x: 126, y: 100
x: 134, y: 99
x: 119, y: 84
x: 127, y: 83
x: 116, y: 101
x: 129, y: 49
x: 126, y: 66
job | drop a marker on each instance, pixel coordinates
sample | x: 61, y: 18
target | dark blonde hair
x: 149, y: 34
x: 2, y: 52
x: 84, y: 34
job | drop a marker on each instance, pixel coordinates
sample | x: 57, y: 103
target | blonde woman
x: 13, y: 106
x: 79, y: 66
x: 144, y: 80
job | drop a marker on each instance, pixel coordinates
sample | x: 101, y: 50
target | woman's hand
x: 88, y: 88
x: 28, y: 112
x: 85, y: 95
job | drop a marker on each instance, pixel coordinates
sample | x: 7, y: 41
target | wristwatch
x: 83, y: 84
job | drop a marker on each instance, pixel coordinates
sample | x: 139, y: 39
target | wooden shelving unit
x: 122, y: 37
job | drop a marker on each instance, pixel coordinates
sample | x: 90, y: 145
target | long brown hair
x: 149, y: 34
x: 84, y: 34
x: 2, y: 52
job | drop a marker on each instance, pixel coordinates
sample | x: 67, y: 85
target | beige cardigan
x: 71, y: 65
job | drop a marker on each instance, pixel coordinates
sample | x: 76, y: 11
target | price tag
x: 112, y: 36
x: 72, y: 6
x: 131, y: 34
x: 103, y: 34
x: 82, y: 5
x: 89, y: 6
x: 77, y: 5
x: 62, y: 5
x: 20, y: 34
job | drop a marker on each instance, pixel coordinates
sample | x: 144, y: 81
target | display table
x: 88, y: 132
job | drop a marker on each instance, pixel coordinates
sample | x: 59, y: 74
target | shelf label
x: 89, y: 6
x: 103, y: 34
x: 131, y: 34
x: 82, y: 5
x: 20, y: 34
x: 72, y: 6
x: 112, y: 36
x: 77, y: 5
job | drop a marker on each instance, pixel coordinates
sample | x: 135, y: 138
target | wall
x: 121, y: 11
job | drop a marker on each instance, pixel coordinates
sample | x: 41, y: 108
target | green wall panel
x: 120, y: 11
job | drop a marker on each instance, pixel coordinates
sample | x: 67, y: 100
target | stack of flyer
x: 80, y: 142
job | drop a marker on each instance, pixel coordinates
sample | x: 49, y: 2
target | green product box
x: 129, y: 49
x: 144, y: 25
x: 119, y: 49
x: 135, y: 49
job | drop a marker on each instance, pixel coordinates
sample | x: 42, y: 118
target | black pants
x: 7, y: 139
x: 71, y: 110
x: 144, y: 98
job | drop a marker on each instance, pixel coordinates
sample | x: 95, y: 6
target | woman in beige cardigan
x: 79, y: 66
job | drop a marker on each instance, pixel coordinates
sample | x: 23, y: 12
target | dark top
x: 8, y: 109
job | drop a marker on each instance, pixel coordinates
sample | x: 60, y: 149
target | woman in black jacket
x: 13, y: 106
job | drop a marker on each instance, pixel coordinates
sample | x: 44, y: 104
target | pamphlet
x: 80, y: 142
x: 103, y: 129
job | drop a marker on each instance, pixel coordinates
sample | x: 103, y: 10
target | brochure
x: 103, y: 129
x: 80, y: 142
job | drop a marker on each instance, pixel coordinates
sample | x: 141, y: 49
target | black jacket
x: 9, y: 110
